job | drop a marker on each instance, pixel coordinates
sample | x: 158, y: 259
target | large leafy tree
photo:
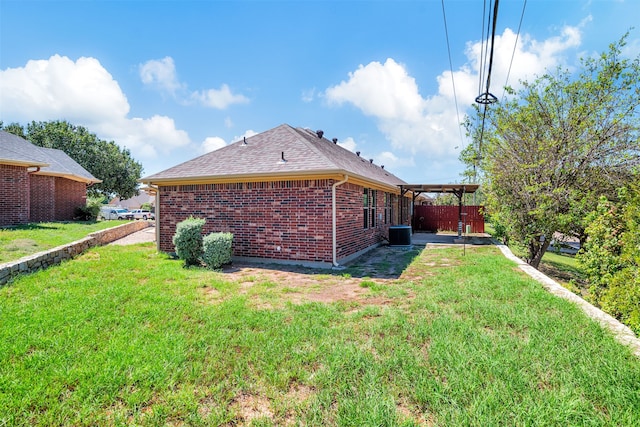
x: 610, y: 258
x: 558, y: 144
x: 115, y: 166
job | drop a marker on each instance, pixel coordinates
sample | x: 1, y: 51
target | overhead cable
x: 487, y: 97
x: 455, y: 97
x: 515, y: 45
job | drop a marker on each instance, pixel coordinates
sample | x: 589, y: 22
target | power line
x: 455, y: 96
x: 515, y: 45
x: 487, y: 97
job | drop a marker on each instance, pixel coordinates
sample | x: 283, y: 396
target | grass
x: 17, y: 242
x: 126, y: 336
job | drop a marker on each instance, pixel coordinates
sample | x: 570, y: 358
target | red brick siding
x: 14, y: 195
x: 68, y: 196
x: 351, y: 236
x: 292, y: 215
x: 42, y: 198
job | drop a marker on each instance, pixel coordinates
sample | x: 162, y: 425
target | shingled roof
x: 305, y: 154
x: 52, y: 162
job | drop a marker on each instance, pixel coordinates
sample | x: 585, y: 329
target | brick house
x: 288, y: 195
x: 38, y: 184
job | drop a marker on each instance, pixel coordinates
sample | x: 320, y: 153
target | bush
x: 188, y: 240
x: 217, y: 249
x: 610, y: 258
x: 90, y: 211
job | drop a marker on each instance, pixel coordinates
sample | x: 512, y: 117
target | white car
x: 143, y: 214
x: 115, y: 213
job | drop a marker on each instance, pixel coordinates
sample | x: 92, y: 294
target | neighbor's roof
x: 17, y: 151
x: 305, y: 155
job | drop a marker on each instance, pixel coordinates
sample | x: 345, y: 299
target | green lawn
x: 126, y: 336
x: 23, y: 240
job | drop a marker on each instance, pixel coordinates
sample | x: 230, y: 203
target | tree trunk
x: 537, y: 250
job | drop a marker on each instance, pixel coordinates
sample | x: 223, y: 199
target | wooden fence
x: 445, y: 218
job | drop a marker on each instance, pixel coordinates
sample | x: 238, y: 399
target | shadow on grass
x: 383, y: 262
x: 43, y: 225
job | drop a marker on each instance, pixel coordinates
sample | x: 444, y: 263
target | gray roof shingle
x: 304, y: 153
x: 18, y: 151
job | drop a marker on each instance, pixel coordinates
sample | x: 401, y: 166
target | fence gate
x: 445, y: 218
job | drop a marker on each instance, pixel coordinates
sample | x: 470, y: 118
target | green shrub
x: 188, y: 240
x: 90, y: 211
x: 217, y: 249
x: 610, y: 258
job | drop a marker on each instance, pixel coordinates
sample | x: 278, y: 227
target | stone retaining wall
x: 56, y: 255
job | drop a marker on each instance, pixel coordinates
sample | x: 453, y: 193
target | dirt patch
x: 383, y: 276
x: 250, y: 407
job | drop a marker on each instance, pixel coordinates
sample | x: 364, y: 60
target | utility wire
x: 482, y: 45
x: 487, y: 97
x: 455, y: 97
x: 515, y: 45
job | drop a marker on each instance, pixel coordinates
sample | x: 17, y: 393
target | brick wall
x: 287, y: 220
x: 68, y: 196
x: 42, y: 208
x: 352, y: 236
x: 14, y: 195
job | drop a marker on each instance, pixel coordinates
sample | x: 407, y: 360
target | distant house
x: 287, y: 195
x: 135, y: 202
x: 38, y: 184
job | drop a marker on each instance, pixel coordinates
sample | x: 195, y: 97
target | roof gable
x: 53, y: 162
x: 278, y: 152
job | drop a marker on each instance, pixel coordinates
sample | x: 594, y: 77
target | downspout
x: 333, y: 208
x: 157, y: 214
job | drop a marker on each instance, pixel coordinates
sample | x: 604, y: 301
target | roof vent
x: 382, y: 166
x: 335, y: 140
x: 370, y: 160
x: 319, y: 133
x: 282, y: 159
x: 244, y: 141
x: 358, y: 153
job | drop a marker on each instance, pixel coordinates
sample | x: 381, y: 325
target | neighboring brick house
x: 287, y: 195
x: 38, y: 184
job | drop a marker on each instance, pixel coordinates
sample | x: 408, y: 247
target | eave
x: 69, y: 176
x: 268, y: 177
x: 24, y: 163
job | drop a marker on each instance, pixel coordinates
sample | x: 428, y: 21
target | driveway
x: 142, y: 236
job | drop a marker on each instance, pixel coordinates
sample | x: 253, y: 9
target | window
x: 365, y: 202
x: 374, y: 201
x: 369, y: 200
x: 387, y: 208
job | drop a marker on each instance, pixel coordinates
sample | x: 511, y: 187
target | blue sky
x: 171, y: 80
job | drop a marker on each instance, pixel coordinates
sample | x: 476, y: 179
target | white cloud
x: 395, y: 94
x: 160, y: 73
x: 308, y: 95
x: 429, y: 125
x: 249, y: 133
x: 59, y: 87
x: 228, y: 123
x: 84, y: 93
x: 218, y: 98
x: 212, y: 143
x: 391, y: 161
x: 349, y: 143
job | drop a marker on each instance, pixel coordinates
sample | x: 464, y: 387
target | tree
x: 610, y: 258
x: 556, y: 146
x: 106, y: 161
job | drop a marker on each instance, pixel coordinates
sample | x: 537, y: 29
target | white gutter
x: 333, y: 208
x: 157, y: 214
